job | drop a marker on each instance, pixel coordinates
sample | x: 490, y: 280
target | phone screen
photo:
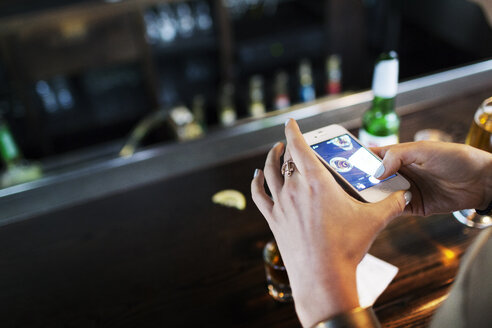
x: 352, y: 161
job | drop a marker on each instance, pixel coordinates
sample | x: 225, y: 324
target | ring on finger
x: 288, y: 168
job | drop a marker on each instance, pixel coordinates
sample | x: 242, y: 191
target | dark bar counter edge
x: 95, y: 181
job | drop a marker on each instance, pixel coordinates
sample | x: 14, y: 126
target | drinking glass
x: 277, y: 280
x: 479, y: 136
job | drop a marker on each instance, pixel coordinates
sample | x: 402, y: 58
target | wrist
x: 334, y: 294
x: 355, y: 318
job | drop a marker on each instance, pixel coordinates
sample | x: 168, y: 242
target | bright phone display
x: 352, y: 161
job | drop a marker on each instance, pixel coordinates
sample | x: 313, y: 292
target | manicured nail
x: 379, y: 172
x: 256, y: 173
x: 408, y: 197
x: 276, y: 144
x: 287, y: 122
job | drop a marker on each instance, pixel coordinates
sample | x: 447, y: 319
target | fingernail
x: 379, y: 172
x: 287, y: 122
x: 408, y: 197
x: 256, y: 173
x: 276, y: 144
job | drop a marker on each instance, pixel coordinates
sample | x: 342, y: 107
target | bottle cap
x: 385, y: 79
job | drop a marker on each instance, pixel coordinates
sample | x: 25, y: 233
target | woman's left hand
x: 321, y: 231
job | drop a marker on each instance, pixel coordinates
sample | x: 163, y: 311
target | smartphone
x: 352, y: 164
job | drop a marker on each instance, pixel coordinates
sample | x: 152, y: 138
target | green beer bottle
x: 8, y: 149
x: 17, y: 170
x: 380, y: 123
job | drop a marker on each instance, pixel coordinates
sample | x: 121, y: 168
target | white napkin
x: 373, y: 277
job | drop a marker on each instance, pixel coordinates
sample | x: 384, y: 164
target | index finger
x: 301, y: 153
x: 397, y: 156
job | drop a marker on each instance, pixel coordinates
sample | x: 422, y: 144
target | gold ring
x: 288, y: 168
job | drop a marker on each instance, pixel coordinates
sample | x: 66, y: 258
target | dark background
x: 99, y: 52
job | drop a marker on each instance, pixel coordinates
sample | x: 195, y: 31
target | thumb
x: 393, y: 205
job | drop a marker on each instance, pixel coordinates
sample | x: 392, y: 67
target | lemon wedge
x: 230, y: 198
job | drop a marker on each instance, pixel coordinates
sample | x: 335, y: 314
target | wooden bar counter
x: 163, y: 255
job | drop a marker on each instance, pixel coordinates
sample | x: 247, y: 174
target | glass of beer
x: 277, y: 280
x: 479, y: 136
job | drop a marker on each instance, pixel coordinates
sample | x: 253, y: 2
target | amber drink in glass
x: 277, y: 280
x: 479, y: 136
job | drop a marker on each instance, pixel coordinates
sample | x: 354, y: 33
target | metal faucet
x: 180, y: 120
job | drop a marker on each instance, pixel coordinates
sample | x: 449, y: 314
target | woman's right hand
x: 445, y: 177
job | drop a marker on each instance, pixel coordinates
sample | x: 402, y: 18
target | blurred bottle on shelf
x: 380, y: 123
x: 236, y: 8
x: 281, y: 90
x: 47, y: 95
x: 306, y: 92
x: 256, y: 105
x: 184, y: 124
x: 203, y: 18
x: 152, y: 26
x: 17, y: 170
x: 186, y: 21
x: 167, y: 24
x: 55, y: 94
x: 227, y: 110
x: 333, y: 74
x: 198, y: 109
x: 63, y: 92
x: 256, y: 8
x: 8, y: 147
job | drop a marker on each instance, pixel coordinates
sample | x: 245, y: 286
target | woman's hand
x: 445, y: 176
x: 322, y: 232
